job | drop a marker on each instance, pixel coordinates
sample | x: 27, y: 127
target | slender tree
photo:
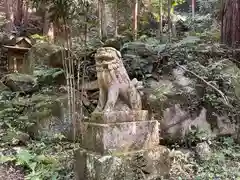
x: 193, y: 7
x: 116, y: 18
x: 160, y: 19
x: 135, y: 19
x: 19, y: 13
x: 9, y: 15
x: 169, y: 19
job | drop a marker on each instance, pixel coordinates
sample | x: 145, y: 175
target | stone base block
x: 146, y: 164
x: 120, y: 137
x: 119, y: 116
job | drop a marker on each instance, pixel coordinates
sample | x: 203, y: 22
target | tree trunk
x: 46, y: 23
x: 50, y: 32
x: 160, y: 20
x: 26, y: 14
x: 169, y: 20
x: 116, y: 19
x: 9, y: 15
x: 19, y: 13
x: 48, y: 27
x: 100, y: 19
x: 135, y: 19
x: 193, y: 8
x: 230, y: 32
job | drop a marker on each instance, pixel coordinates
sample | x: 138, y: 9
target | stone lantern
x: 17, y: 61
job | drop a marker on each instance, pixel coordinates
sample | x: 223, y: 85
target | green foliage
x: 39, y: 38
x: 44, y: 161
x: 224, y: 163
x: 156, y: 6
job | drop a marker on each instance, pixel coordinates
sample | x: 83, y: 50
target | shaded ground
x: 10, y: 173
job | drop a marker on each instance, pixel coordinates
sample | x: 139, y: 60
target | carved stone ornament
x: 115, y: 86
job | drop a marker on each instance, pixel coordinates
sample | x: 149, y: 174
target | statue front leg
x: 135, y: 99
x: 113, y: 93
x: 101, y: 101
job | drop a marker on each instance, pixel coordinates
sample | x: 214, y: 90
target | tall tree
x: 25, y: 12
x: 193, y: 8
x: 160, y: 19
x: 102, y: 19
x: 19, y: 13
x: 169, y: 20
x: 9, y: 15
x: 116, y: 18
x: 230, y: 31
x: 135, y: 19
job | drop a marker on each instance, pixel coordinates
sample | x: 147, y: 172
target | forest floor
x: 10, y: 173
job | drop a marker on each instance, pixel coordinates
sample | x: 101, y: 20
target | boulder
x: 20, y: 83
x: 138, y: 59
x: 174, y: 102
x: 225, y: 127
x: 203, y: 151
x: 47, y: 54
x: 116, y: 42
x: 48, y: 116
x: 12, y: 137
x: 3, y: 87
x: 52, y: 76
x: 4, y: 38
x: 177, y: 125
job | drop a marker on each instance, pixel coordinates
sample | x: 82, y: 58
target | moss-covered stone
x: 20, y: 82
x: 54, y: 76
x: 12, y: 137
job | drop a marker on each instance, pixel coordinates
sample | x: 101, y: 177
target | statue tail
x: 138, y: 85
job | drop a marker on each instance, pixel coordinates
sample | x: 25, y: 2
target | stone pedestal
x: 113, y: 143
x: 120, y: 137
x: 136, y: 165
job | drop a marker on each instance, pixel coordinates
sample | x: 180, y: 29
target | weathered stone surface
x: 50, y: 76
x: 225, y: 127
x: 120, y: 137
x: 48, y: 115
x: 3, y: 87
x: 47, y: 54
x: 145, y: 164
x: 176, y: 124
x: 116, y: 42
x: 114, y: 83
x: 119, y: 116
x: 203, y: 151
x: 21, y: 82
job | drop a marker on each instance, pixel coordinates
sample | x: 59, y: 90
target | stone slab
x: 119, y: 116
x: 145, y: 164
x: 120, y: 137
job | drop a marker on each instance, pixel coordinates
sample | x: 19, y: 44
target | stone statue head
x: 107, y: 54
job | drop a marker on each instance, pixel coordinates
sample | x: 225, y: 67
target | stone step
x: 119, y: 116
x: 120, y: 137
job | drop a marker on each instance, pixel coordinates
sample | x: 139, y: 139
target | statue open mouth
x: 104, y: 57
x: 105, y: 66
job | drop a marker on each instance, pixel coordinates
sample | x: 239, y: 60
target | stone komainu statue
x: 115, y: 86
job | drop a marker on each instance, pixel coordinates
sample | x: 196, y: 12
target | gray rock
x: 146, y: 164
x: 46, y: 54
x: 20, y: 82
x: 203, y: 151
x: 53, y: 76
x: 3, y: 87
x: 48, y: 116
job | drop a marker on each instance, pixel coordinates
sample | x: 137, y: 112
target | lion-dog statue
x: 114, y: 82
